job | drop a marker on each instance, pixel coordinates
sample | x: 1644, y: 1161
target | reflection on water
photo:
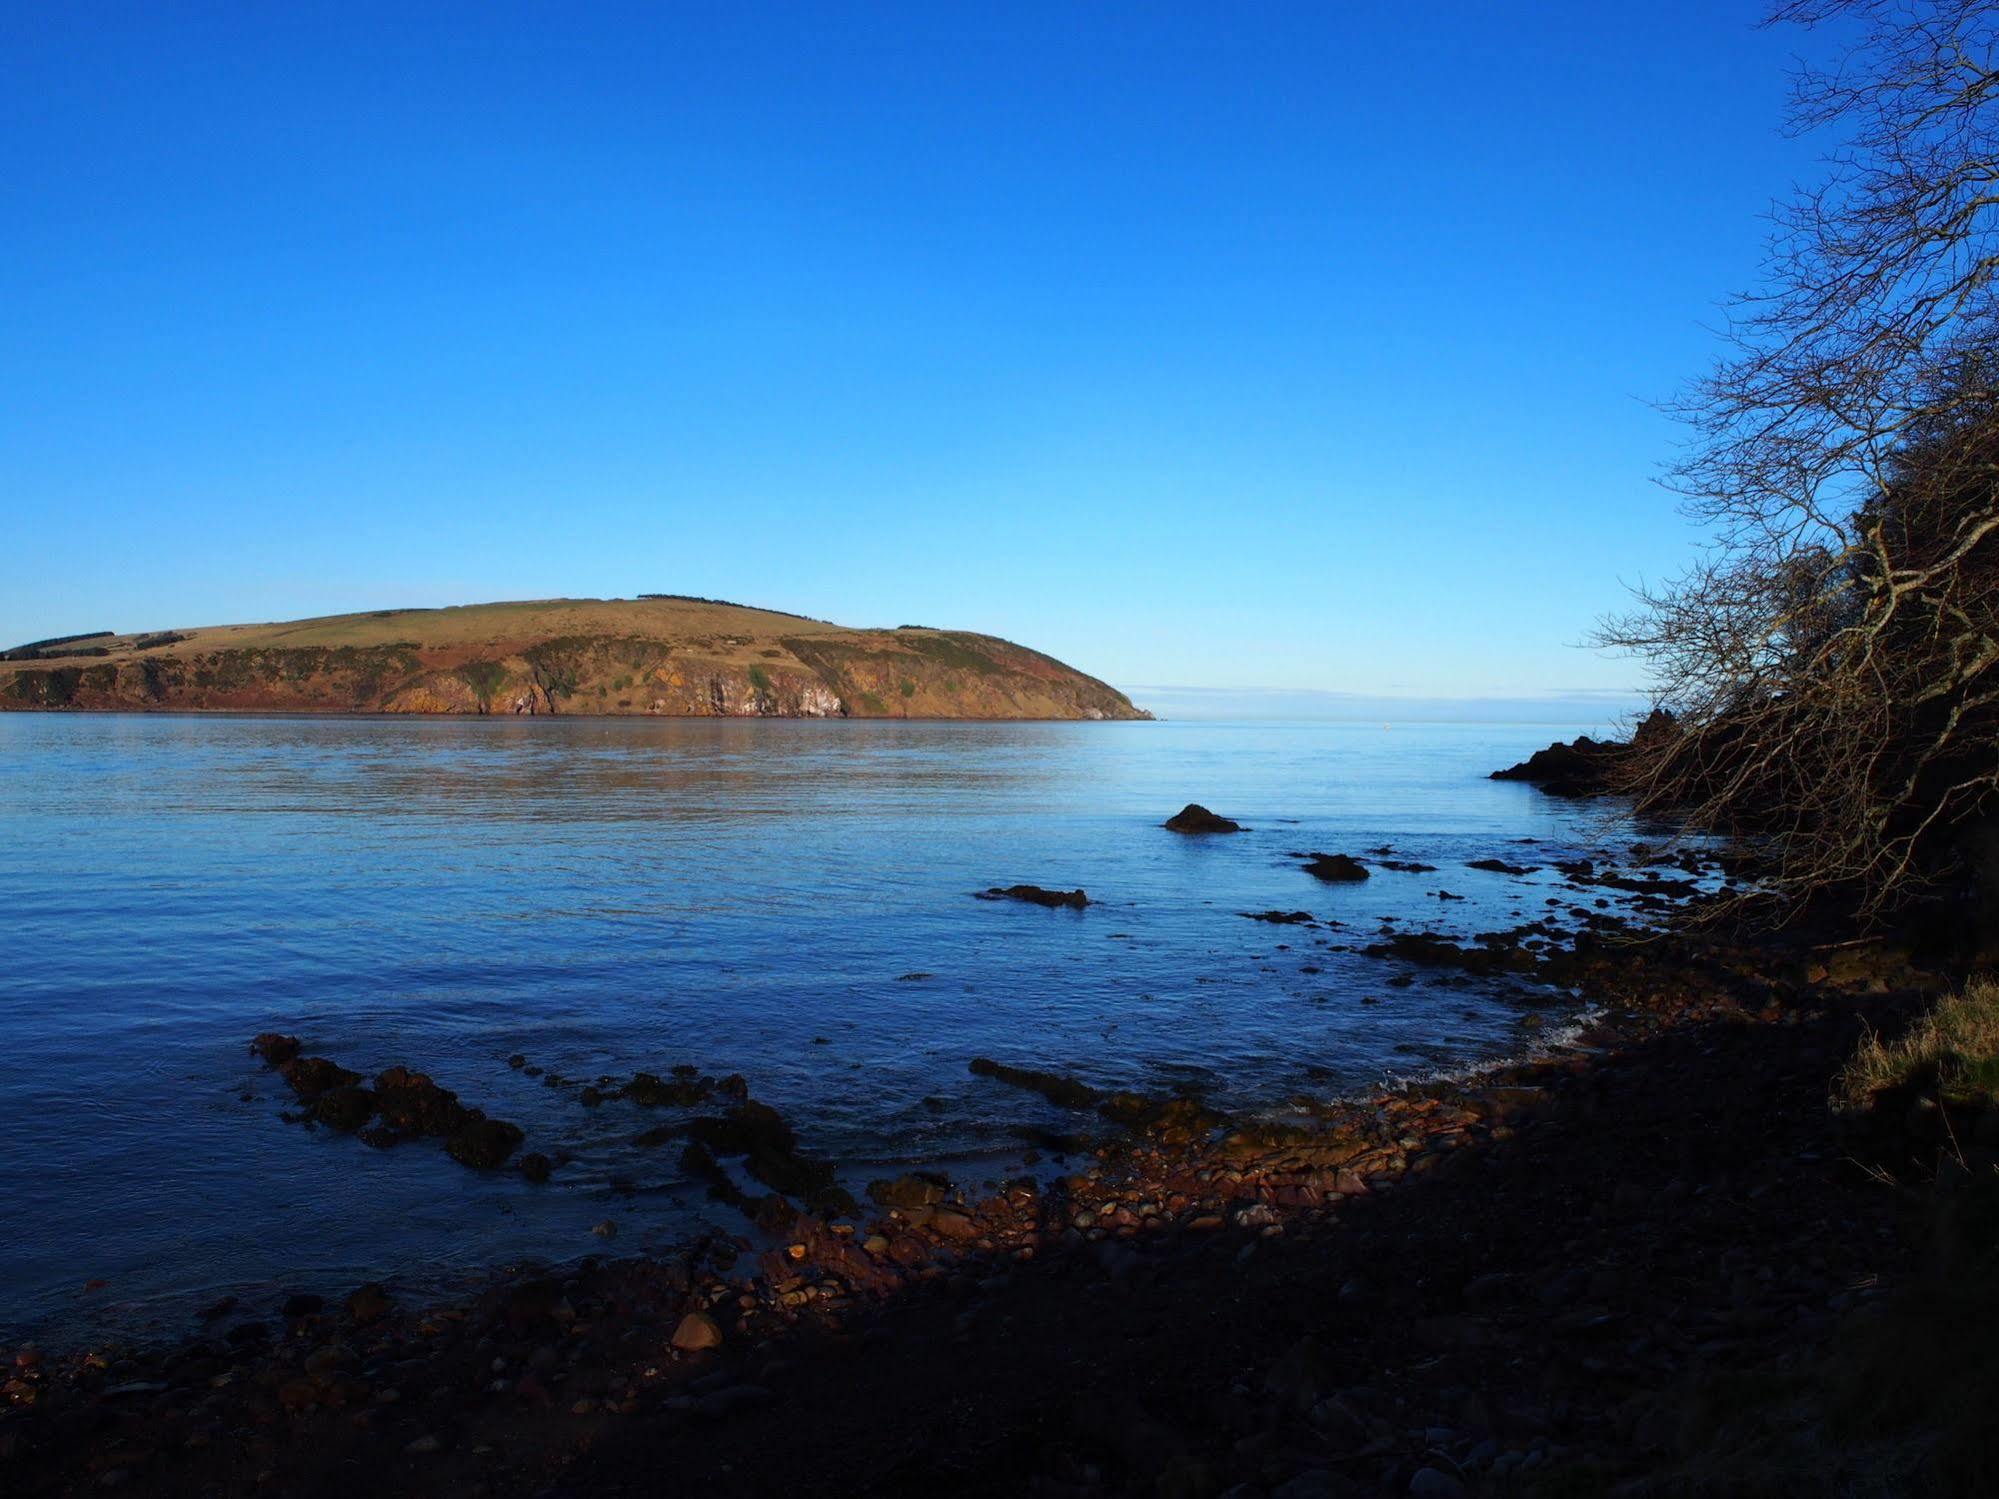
x: 609, y: 895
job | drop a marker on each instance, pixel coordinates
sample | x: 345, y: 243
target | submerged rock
x: 1034, y: 895
x: 768, y: 1146
x: 1174, y: 1120
x: 683, y: 1090
x: 1195, y: 818
x: 1063, y: 1092
x: 1500, y: 866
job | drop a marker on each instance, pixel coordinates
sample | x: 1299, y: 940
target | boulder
x: 697, y: 1330
x: 1195, y: 818
x: 484, y: 1143
x: 276, y: 1049
x: 1064, y: 1092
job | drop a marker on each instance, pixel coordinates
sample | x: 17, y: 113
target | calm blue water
x: 610, y: 895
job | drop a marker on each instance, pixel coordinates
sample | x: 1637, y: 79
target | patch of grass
x: 484, y: 678
x: 1953, y: 1049
x: 759, y: 679
x: 908, y: 687
x: 953, y: 651
x: 873, y: 703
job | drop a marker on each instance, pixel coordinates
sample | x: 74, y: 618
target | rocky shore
x: 1524, y: 1281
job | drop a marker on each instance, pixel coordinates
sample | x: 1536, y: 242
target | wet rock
x: 683, y: 1090
x: 1055, y: 1142
x: 535, y: 1166
x: 369, y: 1303
x: 1063, y: 1092
x: 484, y: 1143
x: 1335, y: 868
x: 345, y: 1109
x: 769, y: 1148
x: 1034, y: 895
x: 1173, y: 1120
x: 749, y: 1126
x: 1281, y: 918
x: 1195, y: 818
x: 918, y: 1189
x: 275, y: 1049
x: 1500, y: 866
x: 1407, y: 866
x: 309, y: 1077
x: 411, y: 1104
x: 696, y: 1331
x: 1432, y: 951
x: 949, y: 1223
x: 302, y: 1304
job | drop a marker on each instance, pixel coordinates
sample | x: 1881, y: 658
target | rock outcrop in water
x: 1586, y: 766
x: 1195, y: 818
x: 670, y: 657
x: 403, y: 1105
x: 1337, y: 869
x: 1034, y: 895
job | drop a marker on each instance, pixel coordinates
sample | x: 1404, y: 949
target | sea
x: 794, y: 901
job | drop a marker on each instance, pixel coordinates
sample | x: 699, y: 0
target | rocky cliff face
x: 829, y: 674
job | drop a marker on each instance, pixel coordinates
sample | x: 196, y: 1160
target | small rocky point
x: 1035, y: 895
x: 1195, y: 818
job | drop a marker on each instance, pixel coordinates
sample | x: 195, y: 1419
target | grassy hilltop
x: 658, y: 654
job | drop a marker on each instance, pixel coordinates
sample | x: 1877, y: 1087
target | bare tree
x: 1832, y: 661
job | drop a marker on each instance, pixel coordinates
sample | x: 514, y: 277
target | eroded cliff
x: 669, y: 657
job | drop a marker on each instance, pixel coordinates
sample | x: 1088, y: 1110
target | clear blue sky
x: 1298, y: 345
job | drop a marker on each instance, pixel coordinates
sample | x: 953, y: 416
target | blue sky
x: 1274, y: 345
